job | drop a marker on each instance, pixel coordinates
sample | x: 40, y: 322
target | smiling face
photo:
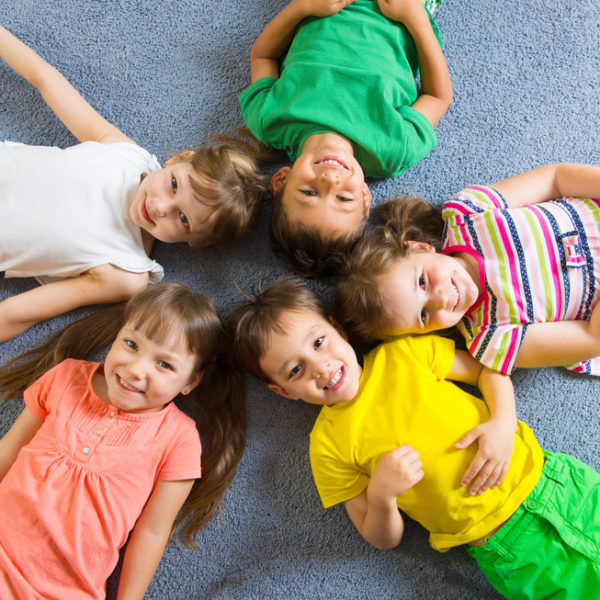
x: 310, y: 360
x: 426, y: 291
x: 325, y: 188
x: 142, y: 376
x: 166, y: 207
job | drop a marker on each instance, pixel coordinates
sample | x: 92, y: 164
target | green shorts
x: 550, y: 547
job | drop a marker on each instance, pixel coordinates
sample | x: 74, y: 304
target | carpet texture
x: 526, y: 93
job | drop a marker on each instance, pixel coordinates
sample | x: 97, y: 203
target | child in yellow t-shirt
x: 394, y: 433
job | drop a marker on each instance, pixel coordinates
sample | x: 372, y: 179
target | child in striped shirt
x: 516, y: 271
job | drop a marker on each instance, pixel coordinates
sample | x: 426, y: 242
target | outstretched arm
x: 560, y: 343
x: 102, y: 285
x: 150, y: 536
x: 66, y: 102
x: 273, y: 42
x: 21, y: 433
x: 495, y: 437
x: 436, y: 87
x: 549, y: 182
x: 374, y: 512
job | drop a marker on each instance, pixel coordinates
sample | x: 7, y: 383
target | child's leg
x: 551, y: 545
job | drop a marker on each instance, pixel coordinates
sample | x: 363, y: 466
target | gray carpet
x: 526, y: 92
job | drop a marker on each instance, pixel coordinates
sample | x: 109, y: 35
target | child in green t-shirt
x: 394, y: 434
x: 342, y: 104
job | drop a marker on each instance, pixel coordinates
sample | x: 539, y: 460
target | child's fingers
x: 474, y: 469
x: 468, y: 438
x: 485, y: 478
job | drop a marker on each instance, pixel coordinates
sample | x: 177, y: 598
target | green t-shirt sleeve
x: 252, y: 101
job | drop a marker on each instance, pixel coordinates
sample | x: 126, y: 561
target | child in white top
x: 89, y: 214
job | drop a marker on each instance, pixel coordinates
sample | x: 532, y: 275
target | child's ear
x: 367, y: 198
x: 192, y: 383
x: 278, y: 180
x: 419, y: 246
x: 281, y: 391
x: 180, y: 156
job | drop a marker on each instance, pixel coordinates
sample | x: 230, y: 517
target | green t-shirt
x: 353, y: 74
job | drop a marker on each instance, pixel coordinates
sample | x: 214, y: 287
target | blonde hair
x: 228, y: 180
x: 359, y: 305
x: 157, y: 310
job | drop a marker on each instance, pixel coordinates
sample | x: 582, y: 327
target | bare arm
x: 549, y: 182
x: 495, y: 437
x: 20, y: 434
x: 560, y: 343
x: 436, y: 86
x: 374, y: 512
x: 102, y: 285
x: 150, y: 536
x: 273, y: 42
x: 66, y: 102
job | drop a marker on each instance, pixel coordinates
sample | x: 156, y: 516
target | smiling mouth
x: 336, y: 381
x: 332, y: 161
x: 457, y: 294
x: 145, y: 213
x: 127, y: 386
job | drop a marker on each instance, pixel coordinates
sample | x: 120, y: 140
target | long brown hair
x: 220, y: 406
x: 359, y: 305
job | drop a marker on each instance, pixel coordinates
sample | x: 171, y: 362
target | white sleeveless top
x: 64, y: 211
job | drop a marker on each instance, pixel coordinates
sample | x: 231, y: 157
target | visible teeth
x: 127, y: 386
x: 335, y: 380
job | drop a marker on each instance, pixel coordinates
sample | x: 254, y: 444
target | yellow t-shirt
x: 404, y: 398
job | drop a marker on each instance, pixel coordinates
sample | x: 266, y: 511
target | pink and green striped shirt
x: 536, y: 264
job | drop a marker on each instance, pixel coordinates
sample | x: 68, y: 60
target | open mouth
x: 332, y: 161
x: 457, y: 294
x: 127, y: 386
x: 336, y: 381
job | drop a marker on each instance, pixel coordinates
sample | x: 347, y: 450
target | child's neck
x: 147, y: 241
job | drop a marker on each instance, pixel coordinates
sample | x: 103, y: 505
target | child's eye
x: 423, y: 317
x: 422, y: 281
x: 131, y: 344
x: 318, y: 342
x: 308, y: 192
x: 294, y: 371
x: 165, y: 365
x: 184, y: 220
x: 174, y: 185
x: 345, y: 199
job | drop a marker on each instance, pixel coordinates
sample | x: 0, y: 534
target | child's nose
x: 438, y: 299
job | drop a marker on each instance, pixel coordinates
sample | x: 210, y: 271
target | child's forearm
x: 274, y: 41
x: 436, y: 86
x: 499, y: 394
x: 549, y: 182
x: 560, y: 342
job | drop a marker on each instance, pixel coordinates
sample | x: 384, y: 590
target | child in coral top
x: 100, y: 449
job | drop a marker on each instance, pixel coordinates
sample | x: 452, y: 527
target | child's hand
x: 403, y: 11
x: 488, y: 468
x: 395, y: 473
x: 322, y: 8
